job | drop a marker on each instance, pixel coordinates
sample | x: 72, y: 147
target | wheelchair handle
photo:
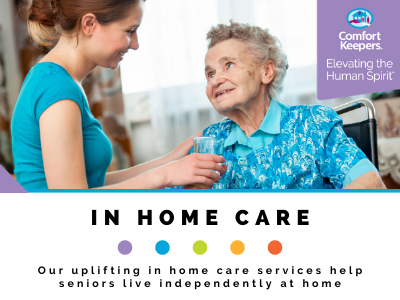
x: 352, y: 105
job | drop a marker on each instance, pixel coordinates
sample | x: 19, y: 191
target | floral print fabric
x: 311, y: 152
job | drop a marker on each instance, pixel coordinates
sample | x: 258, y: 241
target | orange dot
x: 275, y: 247
x: 237, y: 247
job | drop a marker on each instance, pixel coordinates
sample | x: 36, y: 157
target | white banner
x: 50, y: 248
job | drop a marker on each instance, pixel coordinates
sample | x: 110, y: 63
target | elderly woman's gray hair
x: 262, y: 45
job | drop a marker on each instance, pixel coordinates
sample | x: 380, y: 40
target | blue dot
x: 162, y: 247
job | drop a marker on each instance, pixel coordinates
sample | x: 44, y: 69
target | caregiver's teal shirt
x: 46, y: 84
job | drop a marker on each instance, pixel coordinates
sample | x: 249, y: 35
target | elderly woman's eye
x: 211, y: 75
x: 230, y: 65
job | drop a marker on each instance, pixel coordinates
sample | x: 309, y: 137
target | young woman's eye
x: 230, y: 65
x: 132, y: 31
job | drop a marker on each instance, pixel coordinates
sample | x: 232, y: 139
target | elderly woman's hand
x: 194, y: 169
x: 183, y: 148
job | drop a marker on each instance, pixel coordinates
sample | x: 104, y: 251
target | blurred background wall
x: 157, y: 97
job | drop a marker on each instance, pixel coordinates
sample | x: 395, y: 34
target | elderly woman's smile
x: 222, y: 92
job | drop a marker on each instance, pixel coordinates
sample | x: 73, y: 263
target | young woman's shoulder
x: 46, y: 84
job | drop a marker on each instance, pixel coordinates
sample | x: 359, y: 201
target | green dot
x: 200, y: 247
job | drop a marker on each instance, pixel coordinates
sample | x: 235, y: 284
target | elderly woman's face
x: 233, y: 79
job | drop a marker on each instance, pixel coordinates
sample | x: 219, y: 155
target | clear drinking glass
x: 209, y: 145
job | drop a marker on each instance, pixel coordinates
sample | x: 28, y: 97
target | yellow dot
x: 237, y: 247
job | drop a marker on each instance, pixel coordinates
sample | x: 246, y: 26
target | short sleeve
x: 338, y: 153
x: 54, y: 88
x: 360, y: 168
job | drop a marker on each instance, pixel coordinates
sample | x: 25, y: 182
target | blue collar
x: 270, y: 125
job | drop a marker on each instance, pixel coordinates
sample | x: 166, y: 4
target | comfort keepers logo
x: 359, y: 18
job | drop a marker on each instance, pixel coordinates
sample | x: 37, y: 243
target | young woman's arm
x: 194, y: 169
x: 64, y: 163
x: 181, y: 151
x: 62, y: 146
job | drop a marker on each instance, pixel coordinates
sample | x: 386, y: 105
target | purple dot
x: 125, y: 247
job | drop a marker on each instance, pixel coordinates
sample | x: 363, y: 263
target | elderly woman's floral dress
x: 311, y: 152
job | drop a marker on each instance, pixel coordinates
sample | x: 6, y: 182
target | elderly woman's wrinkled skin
x: 237, y: 88
x: 230, y: 67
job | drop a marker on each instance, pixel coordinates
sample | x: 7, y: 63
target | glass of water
x: 209, y: 145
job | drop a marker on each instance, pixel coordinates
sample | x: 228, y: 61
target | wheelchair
x: 363, y: 133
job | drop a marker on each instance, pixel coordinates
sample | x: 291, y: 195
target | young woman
x: 57, y: 143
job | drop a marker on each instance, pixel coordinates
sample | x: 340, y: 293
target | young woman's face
x: 112, y: 41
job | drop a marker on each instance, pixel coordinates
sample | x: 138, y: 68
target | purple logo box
x: 358, y: 50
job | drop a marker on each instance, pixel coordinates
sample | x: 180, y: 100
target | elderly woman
x: 268, y: 144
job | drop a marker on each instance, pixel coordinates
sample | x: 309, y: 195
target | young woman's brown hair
x: 47, y: 20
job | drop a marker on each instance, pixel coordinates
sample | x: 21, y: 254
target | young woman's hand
x: 201, y: 185
x: 183, y: 148
x: 194, y: 169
